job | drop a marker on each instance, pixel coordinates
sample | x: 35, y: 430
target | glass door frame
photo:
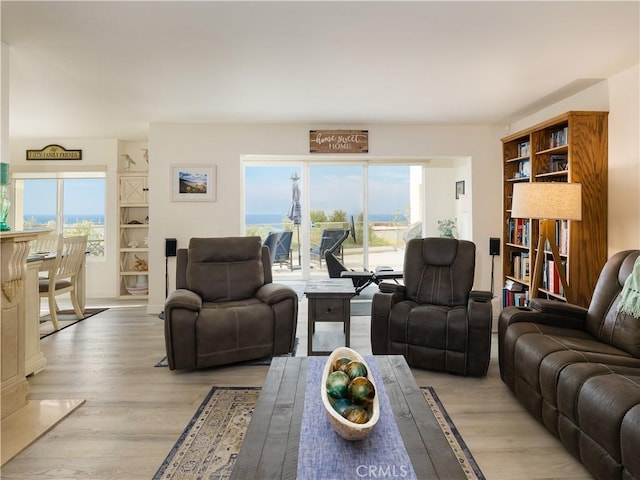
x: 304, y: 162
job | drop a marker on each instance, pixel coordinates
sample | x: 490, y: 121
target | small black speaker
x: 494, y: 246
x: 170, y: 247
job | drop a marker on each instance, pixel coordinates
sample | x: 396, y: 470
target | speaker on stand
x: 170, y: 250
x: 494, y: 249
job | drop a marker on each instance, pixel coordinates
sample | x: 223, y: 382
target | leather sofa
x: 577, y: 371
x: 226, y: 307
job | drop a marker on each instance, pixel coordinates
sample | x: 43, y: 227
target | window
x: 71, y: 203
x: 379, y: 203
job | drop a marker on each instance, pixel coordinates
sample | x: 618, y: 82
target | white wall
x: 102, y: 278
x: 624, y: 161
x: 619, y: 95
x: 4, y: 103
x: 224, y: 144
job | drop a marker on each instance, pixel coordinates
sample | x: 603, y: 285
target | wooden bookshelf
x: 568, y: 148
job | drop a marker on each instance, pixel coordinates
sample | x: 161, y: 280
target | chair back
x: 45, y: 243
x: 330, y: 236
x: 604, y: 322
x: 225, y: 269
x: 283, y: 245
x: 69, y: 257
x: 272, y: 243
x: 439, y: 271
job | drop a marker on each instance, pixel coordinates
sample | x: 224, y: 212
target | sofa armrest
x: 573, y: 319
x: 553, y: 307
x: 381, y: 306
x: 481, y: 295
x: 183, y: 298
x: 389, y: 287
x: 272, y: 293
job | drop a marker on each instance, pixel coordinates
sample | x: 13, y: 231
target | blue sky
x: 333, y: 187
x: 82, y: 196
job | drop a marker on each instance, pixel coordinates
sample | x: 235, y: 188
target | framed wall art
x: 459, y: 189
x: 193, y: 183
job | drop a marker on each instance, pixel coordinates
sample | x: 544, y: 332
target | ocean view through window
x: 64, y: 202
x: 375, y: 203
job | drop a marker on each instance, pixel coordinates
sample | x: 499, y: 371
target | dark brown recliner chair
x: 577, y: 371
x: 226, y: 308
x: 435, y: 320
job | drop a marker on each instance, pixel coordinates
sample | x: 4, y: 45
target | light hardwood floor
x: 134, y: 412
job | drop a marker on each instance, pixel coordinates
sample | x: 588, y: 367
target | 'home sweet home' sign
x: 339, y: 141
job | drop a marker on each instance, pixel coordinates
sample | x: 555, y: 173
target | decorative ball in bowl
x: 349, y: 394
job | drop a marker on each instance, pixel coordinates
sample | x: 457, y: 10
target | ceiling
x: 108, y: 69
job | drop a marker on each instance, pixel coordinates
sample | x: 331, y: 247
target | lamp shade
x: 547, y: 200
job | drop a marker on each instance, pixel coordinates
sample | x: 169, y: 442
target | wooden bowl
x: 343, y: 427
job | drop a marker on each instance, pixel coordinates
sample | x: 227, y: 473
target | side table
x: 329, y: 301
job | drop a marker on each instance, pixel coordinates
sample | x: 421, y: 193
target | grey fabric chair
x: 226, y: 307
x: 435, y: 320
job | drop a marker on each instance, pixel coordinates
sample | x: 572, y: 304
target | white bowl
x: 343, y: 427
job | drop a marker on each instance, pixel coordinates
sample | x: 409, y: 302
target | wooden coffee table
x: 270, y: 448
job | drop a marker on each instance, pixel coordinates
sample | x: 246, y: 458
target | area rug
x: 209, y: 445
x: 260, y: 361
x: 66, y: 318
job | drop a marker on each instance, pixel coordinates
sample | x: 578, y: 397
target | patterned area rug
x: 209, y: 445
x: 66, y: 318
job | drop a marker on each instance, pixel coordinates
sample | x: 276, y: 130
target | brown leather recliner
x: 226, y: 307
x: 577, y: 371
x: 435, y: 320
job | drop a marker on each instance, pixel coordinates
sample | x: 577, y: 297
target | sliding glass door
x: 336, y: 204
x: 365, y: 210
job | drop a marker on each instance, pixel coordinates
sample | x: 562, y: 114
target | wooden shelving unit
x: 568, y: 148
x: 134, y: 231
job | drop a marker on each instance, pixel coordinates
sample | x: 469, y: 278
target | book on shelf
x: 512, y: 298
x: 524, y: 149
x: 519, y: 231
x: 561, y: 237
x: 557, y: 163
x: 524, y: 169
x: 526, y: 267
x: 559, y: 137
x: 551, y: 278
x: 513, y: 286
x: 521, y: 266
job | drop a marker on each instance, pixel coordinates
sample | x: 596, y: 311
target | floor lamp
x: 547, y: 202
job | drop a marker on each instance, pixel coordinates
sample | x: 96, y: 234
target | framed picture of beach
x: 193, y: 183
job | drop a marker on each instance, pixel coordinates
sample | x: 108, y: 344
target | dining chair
x: 63, y: 277
x: 45, y: 244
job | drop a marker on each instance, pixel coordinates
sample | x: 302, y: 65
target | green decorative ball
x: 337, y: 384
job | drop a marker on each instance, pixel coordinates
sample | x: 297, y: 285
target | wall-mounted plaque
x: 54, y: 152
x: 339, y: 141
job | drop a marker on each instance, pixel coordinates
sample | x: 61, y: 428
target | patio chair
x: 330, y: 236
x: 279, y: 244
